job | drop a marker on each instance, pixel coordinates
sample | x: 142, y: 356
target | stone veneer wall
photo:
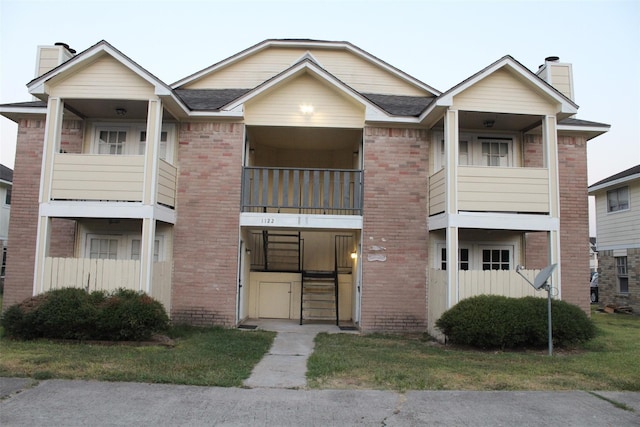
x: 608, y: 280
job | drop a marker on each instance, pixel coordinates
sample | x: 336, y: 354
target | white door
x: 274, y: 301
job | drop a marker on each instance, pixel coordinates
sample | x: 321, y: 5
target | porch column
x: 451, y: 147
x: 147, y: 245
x: 51, y: 145
x: 550, y: 147
x: 151, y: 160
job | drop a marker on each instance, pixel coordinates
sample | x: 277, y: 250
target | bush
x: 131, y: 316
x: 492, y: 321
x: 72, y: 313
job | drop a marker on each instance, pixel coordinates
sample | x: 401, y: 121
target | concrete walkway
x: 285, y: 365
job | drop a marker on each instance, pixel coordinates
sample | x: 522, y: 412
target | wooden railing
x: 109, y: 178
x: 106, y: 275
x: 493, y: 189
x: 308, y: 191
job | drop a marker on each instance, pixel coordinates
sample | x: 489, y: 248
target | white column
x: 451, y: 146
x: 51, y: 146
x: 147, y: 244
x: 154, y: 130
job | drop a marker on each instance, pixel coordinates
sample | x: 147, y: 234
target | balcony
x: 108, y: 178
x: 302, y: 191
x: 493, y: 189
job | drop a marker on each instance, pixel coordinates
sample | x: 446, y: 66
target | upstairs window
x: 480, y: 151
x: 7, y: 197
x: 618, y: 199
x: 495, y: 153
x: 163, y: 144
x: 111, y: 141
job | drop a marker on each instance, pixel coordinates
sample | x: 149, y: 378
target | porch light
x: 354, y: 255
x: 121, y: 111
x: 306, y: 109
x: 489, y: 123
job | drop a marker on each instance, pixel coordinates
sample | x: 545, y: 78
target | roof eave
x: 598, y: 187
x: 15, y: 113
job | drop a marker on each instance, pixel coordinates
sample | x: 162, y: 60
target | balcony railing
x: 108, y: 178
x: 494, y: 189
x: 306, y: 191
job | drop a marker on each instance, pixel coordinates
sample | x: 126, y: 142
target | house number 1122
x: 268, y: 221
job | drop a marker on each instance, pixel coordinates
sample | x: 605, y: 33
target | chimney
x: 49, y: 57
x: 557, y: 74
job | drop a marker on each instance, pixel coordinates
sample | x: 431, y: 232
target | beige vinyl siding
x: 621, y: 228
x: 507, y: 283
x: 281, y: 107
x: 503, y: 92
x: 94, y: 274
x: 561, y: 79
x: 361, y: 75
x: 436, y: 193
x: 48, y: 59
x: 104, y: 78
x: 96, y: 177
x: 494, y: 189
x: 167, y: 175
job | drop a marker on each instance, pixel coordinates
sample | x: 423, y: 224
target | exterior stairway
x: 319, y: 299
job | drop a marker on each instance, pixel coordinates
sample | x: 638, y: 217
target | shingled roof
x: 6, y: 174
x: 624, y: 174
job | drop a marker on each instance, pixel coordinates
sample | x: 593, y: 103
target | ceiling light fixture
x: 121, y: 111
x: 306, y: 109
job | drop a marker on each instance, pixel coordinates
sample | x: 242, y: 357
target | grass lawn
x: 202, y: 356
x: 609, y: 362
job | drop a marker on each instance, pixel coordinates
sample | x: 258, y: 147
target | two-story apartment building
x: 618, y: 229
x: 298, y: 179
x: 6, y: 181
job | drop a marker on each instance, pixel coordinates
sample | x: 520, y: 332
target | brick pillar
x: 206, y: 232
x: 395, y: 240
x: 23, y: 223
x: 574, y: 220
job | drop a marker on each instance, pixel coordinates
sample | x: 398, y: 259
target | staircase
x: 319, y: 299
x: 276, y: 251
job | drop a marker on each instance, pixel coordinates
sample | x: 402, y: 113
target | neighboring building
x: 618, y: 230
x: 6, y: 181
x: 298, y: 179
x: 593, y: 255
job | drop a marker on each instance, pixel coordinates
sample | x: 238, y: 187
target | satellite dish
x: 543, y: 276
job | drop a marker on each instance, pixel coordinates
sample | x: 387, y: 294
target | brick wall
x: 395, y: 212
x: 206, y: 232
x: 536, y: 243
x: 23, y: 223
x: 574, y: 221
x: 608, y: 280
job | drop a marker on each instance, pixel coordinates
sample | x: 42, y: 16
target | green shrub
x: 131, y: 316
x: 492, y: 321
x: 72, y: 313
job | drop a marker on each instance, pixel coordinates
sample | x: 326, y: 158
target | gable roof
x: 305, y: 43
x: 568, y: 107
x: 37, y: 86
x: 619, y: 178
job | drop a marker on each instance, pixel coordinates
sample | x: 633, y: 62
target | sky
x: 438, y: 42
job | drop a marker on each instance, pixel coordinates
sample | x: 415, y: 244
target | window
x: 163, y: 144
x: 135, y: 250
x: 7, y: 197
x: 618, y: 199
x: 463, y: 152
x: 496, y: 259
x: 101, y: 248
x: 463, y: 259
x: 111, y: 141
x: 4, y: 261
x: 495, y: 153
x: 623, y: 275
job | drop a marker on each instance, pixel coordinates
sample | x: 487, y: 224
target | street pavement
x: 91, y: 403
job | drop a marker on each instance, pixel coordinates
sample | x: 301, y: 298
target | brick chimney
x: 557, y: 74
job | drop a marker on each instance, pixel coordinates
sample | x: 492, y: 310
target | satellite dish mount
x: 541, y: 282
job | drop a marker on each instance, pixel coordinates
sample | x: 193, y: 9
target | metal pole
x: 549, y: 319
